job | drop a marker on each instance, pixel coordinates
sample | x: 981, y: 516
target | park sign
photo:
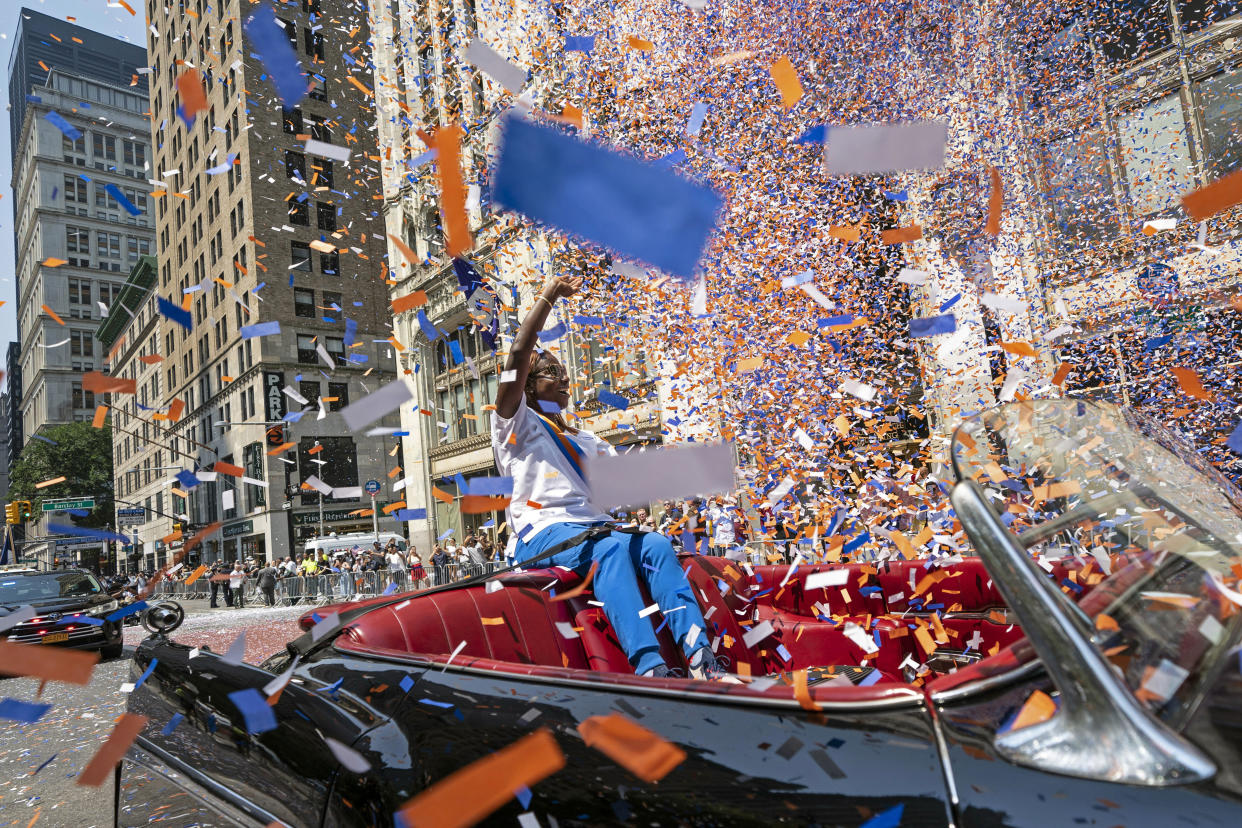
x: 66, y: 505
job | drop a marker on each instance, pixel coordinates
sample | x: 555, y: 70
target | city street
x: 39, y: 762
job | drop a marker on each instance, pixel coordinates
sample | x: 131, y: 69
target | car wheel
x: 112, y: 650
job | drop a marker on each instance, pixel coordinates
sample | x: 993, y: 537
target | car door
x: 285, y: 773
x: 746, y: 763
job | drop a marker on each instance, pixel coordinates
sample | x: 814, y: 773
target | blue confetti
x: 57, y: 120
x: 698, y: 113
x: 617, y: 201
x: 125, y: 203
x: 175, y: 313
x: 176, y: 719
x: 614, y: 400
x: 257, y: 713
x: 932, y: 326
x: 579, y: 43
x: 20, y: 711
x: 272, y: 43
x: 260, y: 329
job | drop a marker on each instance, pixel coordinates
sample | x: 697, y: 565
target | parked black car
x: 1088, y: 675
x: 70, y: 607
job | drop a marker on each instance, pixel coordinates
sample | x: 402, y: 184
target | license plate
x: 54, y: 638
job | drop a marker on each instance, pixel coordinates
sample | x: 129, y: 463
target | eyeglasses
x: 553, y: 375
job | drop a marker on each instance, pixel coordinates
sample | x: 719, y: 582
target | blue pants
x: 623, y: 558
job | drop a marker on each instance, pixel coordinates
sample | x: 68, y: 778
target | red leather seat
x: 960, y: 587
x: 847, y: 599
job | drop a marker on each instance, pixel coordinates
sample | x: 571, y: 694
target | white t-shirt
x: 542, y: 474
x: 722, y: 526
x: 236, y: 578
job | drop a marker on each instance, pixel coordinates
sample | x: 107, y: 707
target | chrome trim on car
x: 221, y: 796
x: 609, y: 687
x: 85, y: 633
x: 1100, y: 730
x: 984, y: 684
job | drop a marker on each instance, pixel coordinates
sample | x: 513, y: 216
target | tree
x: 79, y: 452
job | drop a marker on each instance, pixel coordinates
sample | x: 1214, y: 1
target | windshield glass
x: 22, y: 589
x: 1141, y: 515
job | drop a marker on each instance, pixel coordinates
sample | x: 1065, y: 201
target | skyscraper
x: 268, y: 216
x: 80, y: 164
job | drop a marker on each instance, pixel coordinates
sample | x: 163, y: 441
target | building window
x: 292, y: 120
x: 304, y: 303
x: 73, y: 146
x: 81, y: 343
x: 306, y: 349
x: 338, y: 393
x: 82, y: 399
x: 336, y: 463
x: 299, y: 212
x: 77, y: 240
x: 314, y: 44
x: 75, y: 189
x: 332, y: 301
x: 300, y: 256
x: 322, y: 169
x: 103, y: 146
x: 1156, y: 155
x: 330, y: 264
x: 295, y: 165
x: 134, y: 153
x: 1221, y: 110
x: 79, y: 291
x: 335, y: 346
x: 325, y: 216
x: 310, y: 390
x: 319, y: 129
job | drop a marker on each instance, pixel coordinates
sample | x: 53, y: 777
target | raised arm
x: 519, y: 360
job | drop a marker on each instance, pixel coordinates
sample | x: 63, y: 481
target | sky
x: 90, y: 14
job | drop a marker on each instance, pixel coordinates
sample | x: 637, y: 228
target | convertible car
x: 1070, y: 656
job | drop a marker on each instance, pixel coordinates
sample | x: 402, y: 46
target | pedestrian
x: 440, y: 561
x: 237, y: 585
x: 267, y: 584
x: 219, y: 581
x: 544, y: 456
x: 396, y: 564
x: 417, y: 573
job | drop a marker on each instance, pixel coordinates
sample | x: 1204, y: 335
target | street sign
x: 372, y: 487
x: 62, y: 505
x: 131, y: 516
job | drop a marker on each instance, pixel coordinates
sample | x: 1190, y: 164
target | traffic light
x: 13, y: 513
x: 276, y: 435
x: 27, y: 511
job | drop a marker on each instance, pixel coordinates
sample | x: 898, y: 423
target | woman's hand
x: 562, y: 287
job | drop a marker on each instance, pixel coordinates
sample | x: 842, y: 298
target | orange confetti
x: 580, y: 588
x: 639, y: 45
x: 196, y: 574
x: 190, y: 91
x: 745, y: 366
x: 441, y: 495
x: 110, y: 752
x: 282, y: 447
x: 1216, y: 197
x: 482, y: 504
x: 52, y: 261
x: 47, y: 663
x: 101, y: 413
x: 996, y: 200
x: 642, y: 752
x: 410, y: 301
x: 802, y: 692
x: 902, y: 235
x: 98, y: 383
x: 846, y: 234
x: 51, y: 482
x: 481, y: 787
x: 1190, y: 384
x: 1063, y: 371
x: 52, y: 314
x: 1039, y: 707
x: 452, y: 190
x: 229, y: 469
x: 175, y: 408
x: 785, y: 76
x: 1018, y: 348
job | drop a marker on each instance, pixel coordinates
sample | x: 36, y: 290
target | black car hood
x: 74, y: 603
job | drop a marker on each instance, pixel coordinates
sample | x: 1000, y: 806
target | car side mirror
x: 1100, y: 731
